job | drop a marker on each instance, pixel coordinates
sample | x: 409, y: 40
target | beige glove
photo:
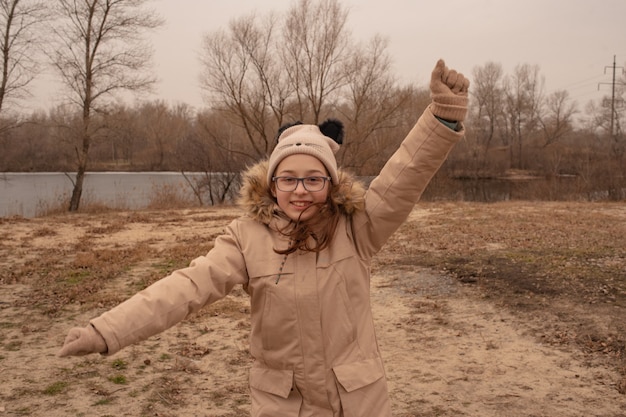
x: 83, y: 341
x: 448, y: 90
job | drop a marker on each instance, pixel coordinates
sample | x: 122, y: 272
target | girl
x: 303, y: 254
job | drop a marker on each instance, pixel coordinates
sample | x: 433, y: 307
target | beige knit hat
x: 320, y: 141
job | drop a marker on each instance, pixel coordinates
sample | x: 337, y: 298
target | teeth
x: 298, y: 204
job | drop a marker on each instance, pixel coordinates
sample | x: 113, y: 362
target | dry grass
x: 560, y: 268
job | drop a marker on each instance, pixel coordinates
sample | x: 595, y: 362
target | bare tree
x: 99, y: 51
x: 556, y: 121
x: 524, y: 96
x: 120, y: 135
x: 242, y: 76
x: 162, y: 127
x: 480, y: 154
x: 370, y: 104
x: 213, y: 168
x: 19, y: 21
x: 488, y: 94
x: 263, y: 75
x: 315, y: 45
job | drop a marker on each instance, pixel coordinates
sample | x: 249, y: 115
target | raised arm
x: 395, y: 191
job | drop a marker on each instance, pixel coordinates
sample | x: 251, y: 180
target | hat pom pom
x: 285, y: 127
x: 332, y: 128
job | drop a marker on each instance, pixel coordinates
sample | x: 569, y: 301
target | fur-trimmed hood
x: 256, y: 198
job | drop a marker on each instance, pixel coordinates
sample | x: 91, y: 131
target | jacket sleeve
x: 171, y: 299
x: 401, y: 182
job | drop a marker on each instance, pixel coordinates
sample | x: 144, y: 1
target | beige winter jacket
x: 312, y: 338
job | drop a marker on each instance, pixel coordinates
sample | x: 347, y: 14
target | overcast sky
x: 572, y: 41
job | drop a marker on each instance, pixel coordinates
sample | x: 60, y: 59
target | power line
x: 612, y: 92
x: 582, y: 83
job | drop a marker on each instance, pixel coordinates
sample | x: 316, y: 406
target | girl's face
x: 297, y: 203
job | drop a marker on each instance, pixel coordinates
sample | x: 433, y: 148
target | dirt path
x: 449, y: 350
x: 450, y: 353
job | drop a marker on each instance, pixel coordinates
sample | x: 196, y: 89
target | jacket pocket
x: 273, y: 393
x: 273, y: 315
x: 273, y: 381
x: 363, y: 388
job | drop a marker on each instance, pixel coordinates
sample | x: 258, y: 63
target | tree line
x: 258, y: 73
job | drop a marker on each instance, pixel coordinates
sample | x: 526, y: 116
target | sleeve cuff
x: 452, y: 125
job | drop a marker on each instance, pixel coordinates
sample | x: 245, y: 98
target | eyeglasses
x: 311, y: 184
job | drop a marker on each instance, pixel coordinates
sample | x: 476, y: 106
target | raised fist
x: 448, y: 90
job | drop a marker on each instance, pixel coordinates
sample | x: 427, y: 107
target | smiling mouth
x: 300, y: 204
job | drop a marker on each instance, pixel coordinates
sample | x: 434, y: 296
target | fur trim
x: 257, y: 201
x: 255, y: 196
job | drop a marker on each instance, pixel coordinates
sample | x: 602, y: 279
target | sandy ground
x: 449, y: 349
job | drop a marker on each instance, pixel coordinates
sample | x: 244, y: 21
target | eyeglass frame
x: 301, y: 180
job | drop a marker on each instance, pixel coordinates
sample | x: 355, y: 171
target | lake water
x: 32, y: 194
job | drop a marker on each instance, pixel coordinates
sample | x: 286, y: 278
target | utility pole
x: 612, y: 94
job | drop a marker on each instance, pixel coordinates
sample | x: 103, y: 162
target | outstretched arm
x: 164, y: 303
x: 83, y: 341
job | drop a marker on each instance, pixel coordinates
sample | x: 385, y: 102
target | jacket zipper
x: 280, y: 271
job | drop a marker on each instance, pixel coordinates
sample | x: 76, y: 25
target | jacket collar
x: 257, y: 201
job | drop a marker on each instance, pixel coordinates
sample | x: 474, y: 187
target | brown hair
x: 320, y: 228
